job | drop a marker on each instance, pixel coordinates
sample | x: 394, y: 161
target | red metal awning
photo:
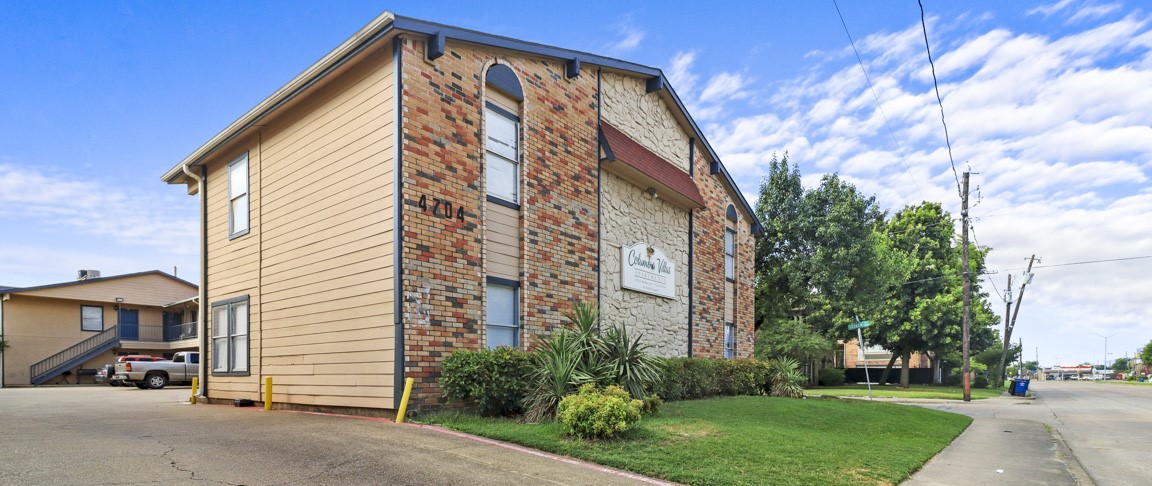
x: 630, y: 160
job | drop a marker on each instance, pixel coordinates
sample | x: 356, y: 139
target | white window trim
x: 730, y: 340
x: 515, y: 286
x: 232, y: 198
x: 101, y: 318
x: 730, y: 258
x: 225, y: 335
x: 491, y: 110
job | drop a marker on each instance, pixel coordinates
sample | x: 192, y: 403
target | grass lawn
x: 916, y: 391
x: 752, y: 440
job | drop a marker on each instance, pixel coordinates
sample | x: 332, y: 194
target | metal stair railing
x: 52, y: 366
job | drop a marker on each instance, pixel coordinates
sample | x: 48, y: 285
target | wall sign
x: 644, y: 268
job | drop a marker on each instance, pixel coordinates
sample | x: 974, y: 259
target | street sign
x: 857, y: 325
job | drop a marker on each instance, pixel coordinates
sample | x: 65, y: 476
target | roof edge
x: 387, y: 22
x: 16, y: 290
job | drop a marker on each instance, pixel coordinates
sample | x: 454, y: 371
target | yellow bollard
x: 404, y: 400
x: 195, y: 386
x: 268, y: 393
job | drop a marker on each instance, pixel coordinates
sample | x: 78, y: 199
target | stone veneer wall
x: 629, y: 216
x: 442, y: 157
x: 645, y: 117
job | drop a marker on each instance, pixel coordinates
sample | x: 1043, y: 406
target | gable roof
x: 16, y: 290
x: 387, y: 24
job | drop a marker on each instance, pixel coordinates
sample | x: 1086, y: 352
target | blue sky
x: 1049, y: 104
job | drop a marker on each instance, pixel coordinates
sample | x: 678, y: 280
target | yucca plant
x: 632, y: 367
x: 785, y: 378
x: 558, y: 373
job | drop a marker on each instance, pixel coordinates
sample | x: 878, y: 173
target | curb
x: 1075, y: 469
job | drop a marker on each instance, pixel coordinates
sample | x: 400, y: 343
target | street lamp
x: 1106, y: 346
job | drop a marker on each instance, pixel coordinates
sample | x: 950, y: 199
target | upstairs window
x: 91, y: 318
x: 502, y: 146
x: 238, y: 197
x: 503, y: 99
x: 730, y: 254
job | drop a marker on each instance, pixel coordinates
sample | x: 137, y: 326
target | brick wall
x: 708, y: 249
x: 444, y: 276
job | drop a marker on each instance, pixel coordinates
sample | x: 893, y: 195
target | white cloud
x: 1057, y: 129
x: 680, y: 73
x: 90, y: 209
x: 724, y: 86
x: 630, y: 37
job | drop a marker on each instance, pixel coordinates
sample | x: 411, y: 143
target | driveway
x: 104, y: 435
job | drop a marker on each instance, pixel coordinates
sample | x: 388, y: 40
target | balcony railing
x: 162, y: 334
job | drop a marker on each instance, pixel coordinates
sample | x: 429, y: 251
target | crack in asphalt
x: 191, y: 473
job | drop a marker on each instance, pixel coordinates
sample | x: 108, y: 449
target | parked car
x: 158, y: 374
x: 109, y: 370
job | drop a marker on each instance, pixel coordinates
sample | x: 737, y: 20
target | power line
x: 991, y: 281
x: 939, y: 100
x: 1096, y: 261
x: 880, y: 107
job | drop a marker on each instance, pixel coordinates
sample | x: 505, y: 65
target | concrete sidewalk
x: 1007, y: 443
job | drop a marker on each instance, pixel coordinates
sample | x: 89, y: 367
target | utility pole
x: 1012, y: 323
x: 1007, y: 333
x: 967, y: 285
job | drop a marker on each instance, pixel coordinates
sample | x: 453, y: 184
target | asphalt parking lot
x: 66, y: 435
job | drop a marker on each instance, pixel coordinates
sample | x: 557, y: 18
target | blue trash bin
x: 1020, y: 387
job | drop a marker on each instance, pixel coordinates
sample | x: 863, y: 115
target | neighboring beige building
x: 424, y: 189
x: 53, y: 332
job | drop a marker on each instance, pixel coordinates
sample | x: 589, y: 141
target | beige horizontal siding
x: 318, y: 261
x: 502, y: 238
x: 149, y: 289
x: 729, y: 302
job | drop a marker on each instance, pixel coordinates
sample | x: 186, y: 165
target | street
x: 84, y: 435
x: 1106, y: 426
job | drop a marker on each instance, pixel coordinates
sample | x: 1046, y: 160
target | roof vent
x: 87, y: 274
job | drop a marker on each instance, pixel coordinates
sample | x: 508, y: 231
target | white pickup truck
x: 159, y: 374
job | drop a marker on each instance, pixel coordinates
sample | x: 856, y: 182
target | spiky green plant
x: 558, y: 373
x: 785, y: 378
x: 632, y: 367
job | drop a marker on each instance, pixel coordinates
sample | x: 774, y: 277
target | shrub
x: 652, y: 404
x: 980, y: 382
x: 691, y: 378
x: 830, y: 377
x: 593, y: 414
x: 494, y: 381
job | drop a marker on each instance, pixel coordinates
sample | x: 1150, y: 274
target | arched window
x: 502, y: 140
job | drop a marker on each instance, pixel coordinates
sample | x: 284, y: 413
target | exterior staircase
x: 67, y: 359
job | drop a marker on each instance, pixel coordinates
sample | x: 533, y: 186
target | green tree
x: 821, y: 262
x: 925, y: 314
x: 1119, y: 364
x: 1146, y: 354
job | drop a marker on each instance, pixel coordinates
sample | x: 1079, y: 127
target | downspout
x: 599, y: 200
x: 398, y: 222
x: 691, y: 248
x: 202, y: 310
